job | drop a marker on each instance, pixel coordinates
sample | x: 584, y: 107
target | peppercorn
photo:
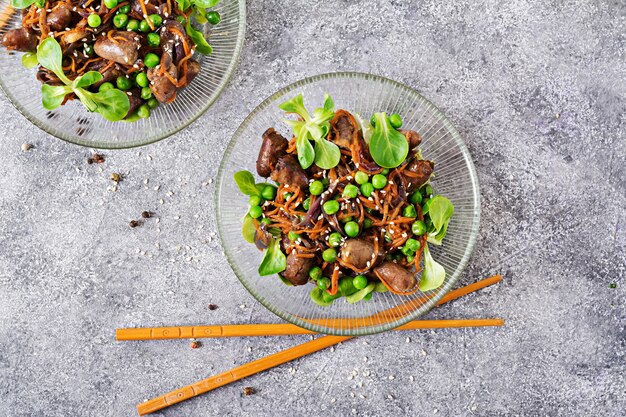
x: 146, y: 214
x: 97, y: 158
x: 212, y: 307
x: 249, y: 391
x: 134, y: 223
x: 195, y: 344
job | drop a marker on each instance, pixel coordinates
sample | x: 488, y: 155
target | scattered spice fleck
x: 213, y: 307
x: 249, y: 391
x: 96, y: 158
x: 134, y: 223
x: 115, y: 177
x: 146, y: 214
x: 195, y: 344
x: 26, y: 147
x: 612, y: 285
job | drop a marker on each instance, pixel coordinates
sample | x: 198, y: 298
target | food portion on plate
x: 352, y: 211
x: 119, y: 58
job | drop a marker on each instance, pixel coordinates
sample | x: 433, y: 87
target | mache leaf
x: 327, y: 154
x: 198, y: 39
x: 274, y: 260
x: 440, y: 210
x: 389, y: 148
x: 52, y: 96
x: 434, y: 274
x: 50, y: 56
x: 245, y: 182
x: 247, y: 229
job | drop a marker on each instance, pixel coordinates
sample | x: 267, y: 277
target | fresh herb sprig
x: 112, y: 104
x: 325, y: 154
x: 23, y: 4
x: 200, y: 14
x: 274, y: 260
x: 389, y: 148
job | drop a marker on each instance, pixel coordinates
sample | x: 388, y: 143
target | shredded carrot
x: 334, y: 281
x: 145, y: 14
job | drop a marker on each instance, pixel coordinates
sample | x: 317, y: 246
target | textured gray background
x: 537, y: 90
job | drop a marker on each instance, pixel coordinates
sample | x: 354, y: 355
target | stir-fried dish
x: 352, y: 211
x: 119, y: 58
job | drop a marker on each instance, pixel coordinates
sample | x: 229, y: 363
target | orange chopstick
x: 303, y: 349
x: 242, y: 330
x: 6, y: 14
x: 285, y: 356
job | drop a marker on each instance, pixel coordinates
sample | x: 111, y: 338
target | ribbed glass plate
x: 75, y: 124
x: 455, y: 178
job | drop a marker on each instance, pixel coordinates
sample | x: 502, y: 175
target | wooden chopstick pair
x: 278, y: 358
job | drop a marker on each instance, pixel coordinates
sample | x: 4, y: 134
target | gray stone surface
x: 538, y: 91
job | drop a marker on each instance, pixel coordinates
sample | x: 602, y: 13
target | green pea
x: 105, y: 87
x: 359, y: 282
x: 154, y: 40
x: 144, y: 26
x: 418, y: 228
x: 132, y: 25
x: 331, y: 207
x: 335, y: 239
x: 367, y: 189
x: 409, y: 211
x: 255, y: 212
x: 385, y: 171
x: 345, y: 286
x: 425, y: 205
x: 323, y: 283
x: 125, y: 9
x: 430, y: 227
x: 287, y: 196
x: 306, y: 204
x: 428, y: 190
x: 151, y: 60
x: 146, y: 93
x: 156, y: 19
x: 266, y: 221
x: 412, y: 244
x: 407, y: 251
x: 120, y: 20
x: 361, y: 177
x: 395, y: 120
x: 416, y: 198
x: 379, y: 181
x: 351, y: 191
x: 367, y: 297
x: 367, y: 223
x: 94, y: 20
x: 329, y: 255
x: 325, y: 181
x: 123, y: 83
x: 141, y: 79
x: 144, y: 112
x: 153, y: 103
x: 316, y: 187
x: 269, y: 192
x: 293, y: 236
x: 181, y: 20
x: 346, y: 219
x: 351, y: 229
x: 110, y: 4
x: 213, y: 17
x: 410, y: 258
x: 315, y: 273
